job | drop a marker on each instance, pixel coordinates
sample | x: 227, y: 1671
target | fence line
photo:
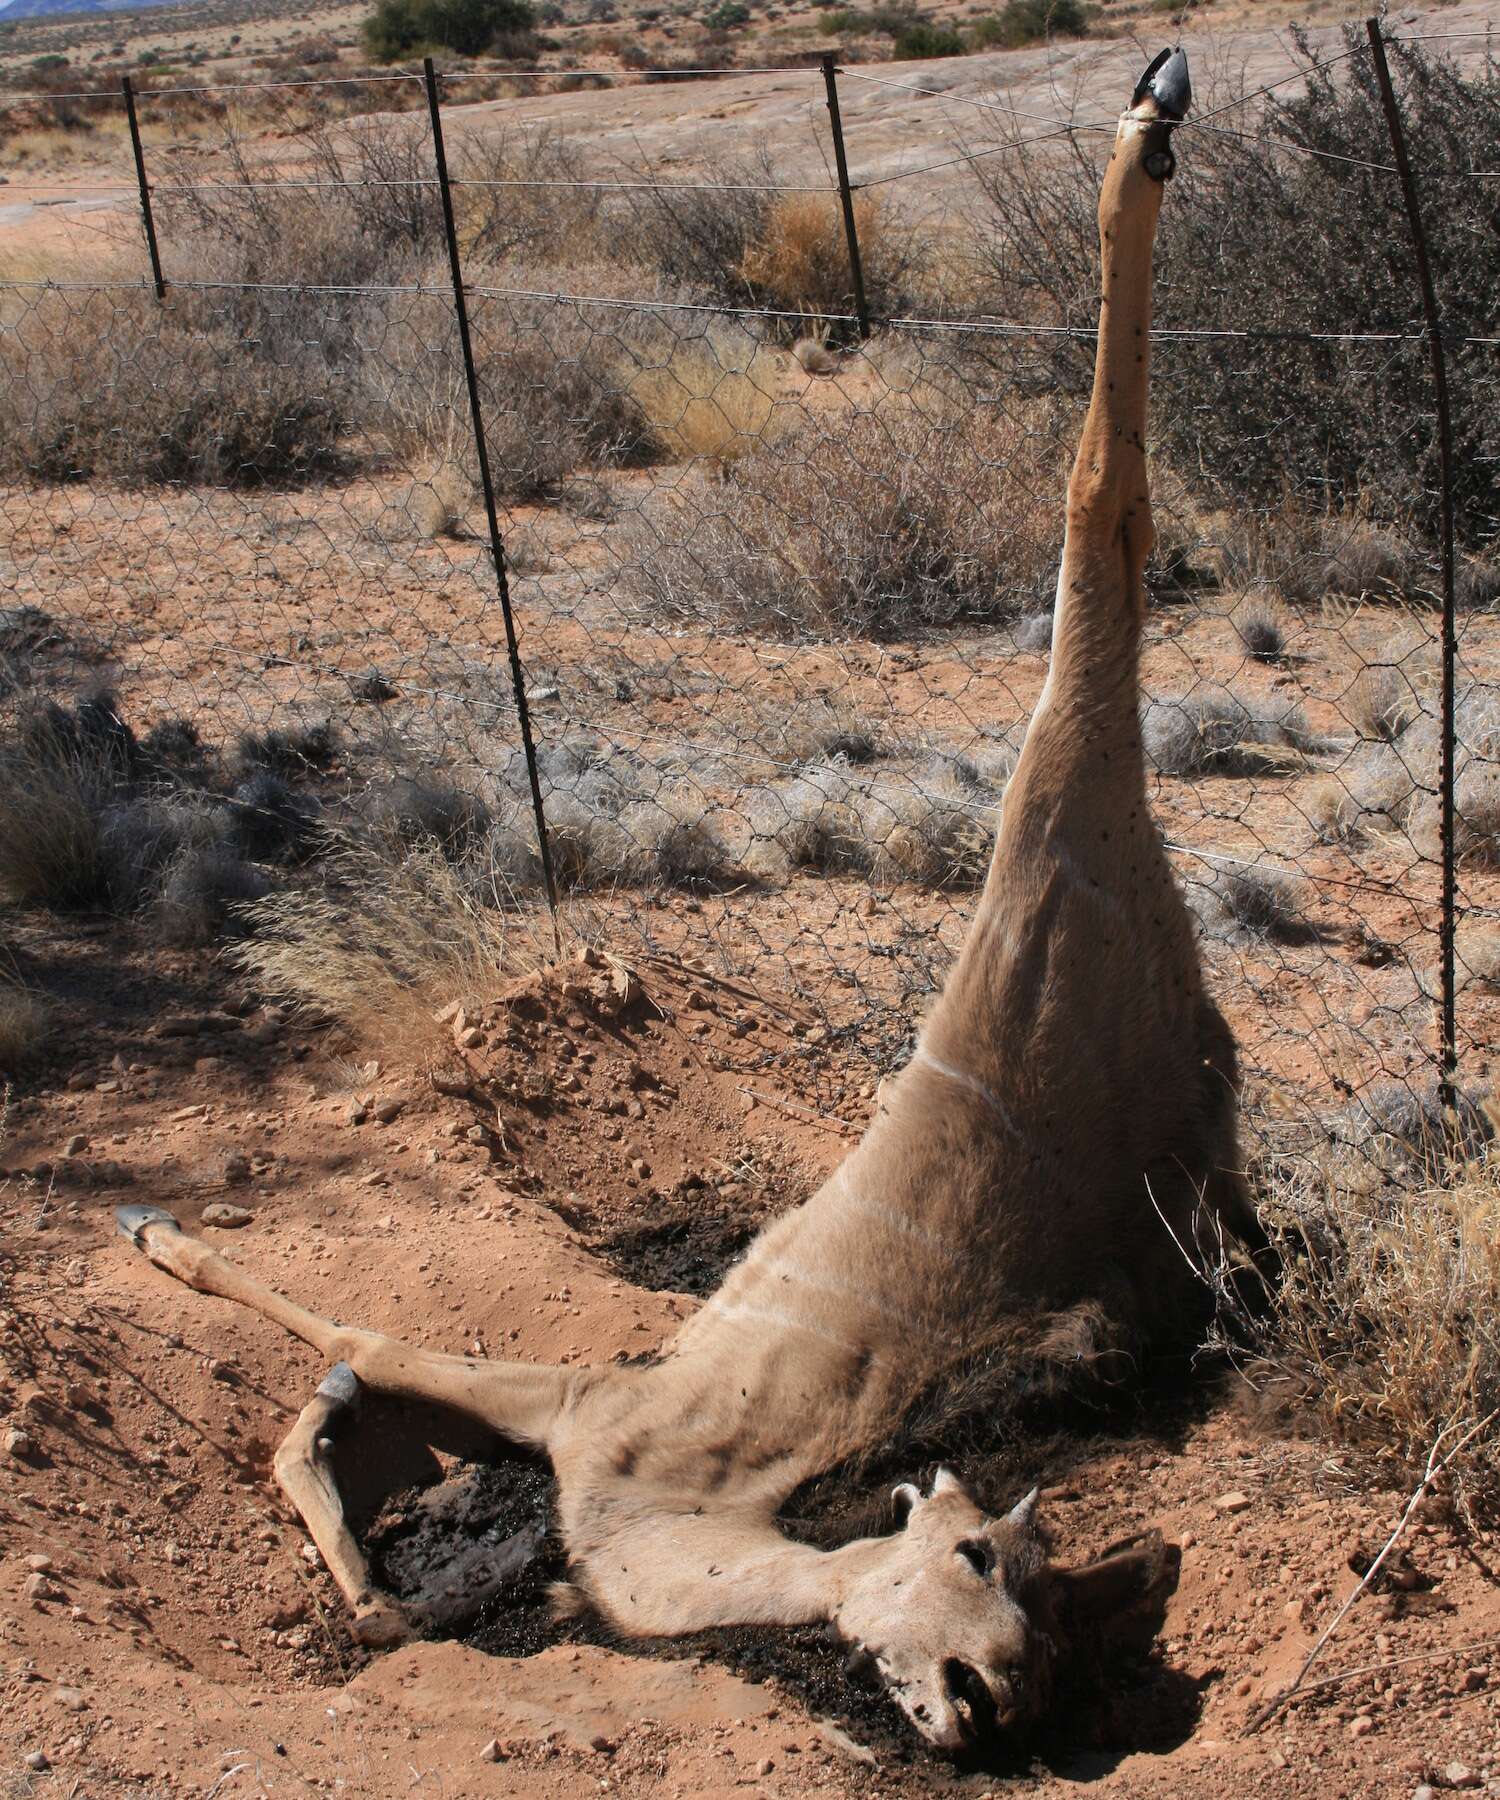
x: 631, y: 693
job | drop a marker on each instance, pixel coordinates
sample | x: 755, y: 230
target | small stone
x: 227, y: 1217
x: 39, y: 1563
x: 451, y: 1014
x: 492, y: 1752
x: 358, y: 1112
x: 1460, y: 1775
x: 76, y: 1145
x: 221, y: 1371
x: 19, y: 1446
x: 236, y: 1168
x: 37, y: 1587
x: 71, y: 1698
x: 765, y: 1766
x: 1424, y: 1791
x: 605, y: 1746
x: 640, y: 1168
x: 37, y: 1760
x: 389, y: 1110
x: 1232, y: 1502
x: 189, y: 1112
x: 470, y: 1038
x: 1361, y: 1727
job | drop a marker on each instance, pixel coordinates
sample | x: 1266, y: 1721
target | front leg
x: 304, y: 1467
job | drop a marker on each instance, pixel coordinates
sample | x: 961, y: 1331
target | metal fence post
x: 846, y: 193
x: 481, y: 448
x: 144, y: 185
x: 1448, y: 726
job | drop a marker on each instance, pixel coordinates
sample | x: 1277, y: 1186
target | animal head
x: 958, y: 1613
x: 942, y: 1611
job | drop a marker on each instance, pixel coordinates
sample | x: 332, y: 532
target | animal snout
x: 980, y: 1712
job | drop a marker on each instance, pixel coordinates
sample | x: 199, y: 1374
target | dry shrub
x: 1032, y: 633
x: 204, y: 896
x: 1382, y: 701
x: 59, y: 774
x: 821, y: 731
x: 1384, y: 1322
x: 877, y: 526
x: 1391, y: 787
x: 799, y: 259
x: 556, y: 390
x: 701, y: 407
x: 114, y: 387
x: 1212, y: 731
x: 434, y: 505
x: 390, y: 935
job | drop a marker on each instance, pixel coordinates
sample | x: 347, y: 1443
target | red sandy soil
x: 166, y: 1627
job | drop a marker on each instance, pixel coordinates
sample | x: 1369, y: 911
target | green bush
x: 922, y: 40
x: 1030, y: 22
x: 726, y: 15
x: 402, y: 28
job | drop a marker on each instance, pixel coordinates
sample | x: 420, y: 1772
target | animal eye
x: 978, y: 1555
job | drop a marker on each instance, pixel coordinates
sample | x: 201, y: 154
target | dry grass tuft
x: 1262, y: 629
x: 705, y: 404
x: 1384, y: 1323
x: 59, y: 773
x: 1032, y: 633
x: 1477, y: 955
x: 799, y: 261
x: 24, y: 1022
x: 390, y: 936
x: 1211, y: 731
x: 1241, y: 901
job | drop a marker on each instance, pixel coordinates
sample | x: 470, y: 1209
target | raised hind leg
x: 518, y: 1400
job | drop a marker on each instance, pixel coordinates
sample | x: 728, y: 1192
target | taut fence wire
x: 686, y: 546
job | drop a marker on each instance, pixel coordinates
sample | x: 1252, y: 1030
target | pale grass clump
x: 24, y: 1021
x: 390, y: 936
x: 1211, y: 731
x: 1477, y: 955
x: 711, y: 402
x: 799, y: 259
x: 434, y: 505
x: 1383, y: 1321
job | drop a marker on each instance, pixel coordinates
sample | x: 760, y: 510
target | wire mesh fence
x: 780, y: 548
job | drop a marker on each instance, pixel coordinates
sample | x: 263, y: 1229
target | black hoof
x: 1166, y: 80
x: 131, y: 1221
x: 340, y: 1384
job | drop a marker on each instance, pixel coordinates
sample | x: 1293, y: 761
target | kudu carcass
x: 1017, y: 1207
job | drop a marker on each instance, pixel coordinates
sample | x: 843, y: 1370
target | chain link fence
x: 777, y: 534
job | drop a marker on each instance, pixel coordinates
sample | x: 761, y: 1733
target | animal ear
x: 1023, y: 1514
x: 904, y: 1498
x: 946, y: 1482
x: 1130, y: 1583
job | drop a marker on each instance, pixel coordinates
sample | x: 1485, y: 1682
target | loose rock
x: 1232, y: 1502
x: 492, y: 1752
x: 230, y: 1218
x: 236, y: 1168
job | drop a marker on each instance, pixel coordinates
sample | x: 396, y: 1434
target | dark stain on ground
x: 1111, y: 1697
x: 681, y: 1243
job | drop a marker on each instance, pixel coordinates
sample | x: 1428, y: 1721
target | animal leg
x: 524, y: 1401
x: 518, y: 1400
x: 304, y: 1467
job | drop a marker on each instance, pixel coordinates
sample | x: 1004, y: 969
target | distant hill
x: 47, y: 9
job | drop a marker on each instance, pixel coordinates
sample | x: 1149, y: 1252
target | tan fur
x: 1005, y: 1219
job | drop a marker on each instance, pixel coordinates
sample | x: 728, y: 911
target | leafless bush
x: 1384, y: 1321
x: 58, y: 776
x: 111, y: 387
x: 413, y: 811
x: 1211, y: 731
x: 886, y: 523
x: 1382, y: 701
x: 823, y: 731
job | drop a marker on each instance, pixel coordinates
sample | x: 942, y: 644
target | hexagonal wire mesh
x: 782, y: 588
